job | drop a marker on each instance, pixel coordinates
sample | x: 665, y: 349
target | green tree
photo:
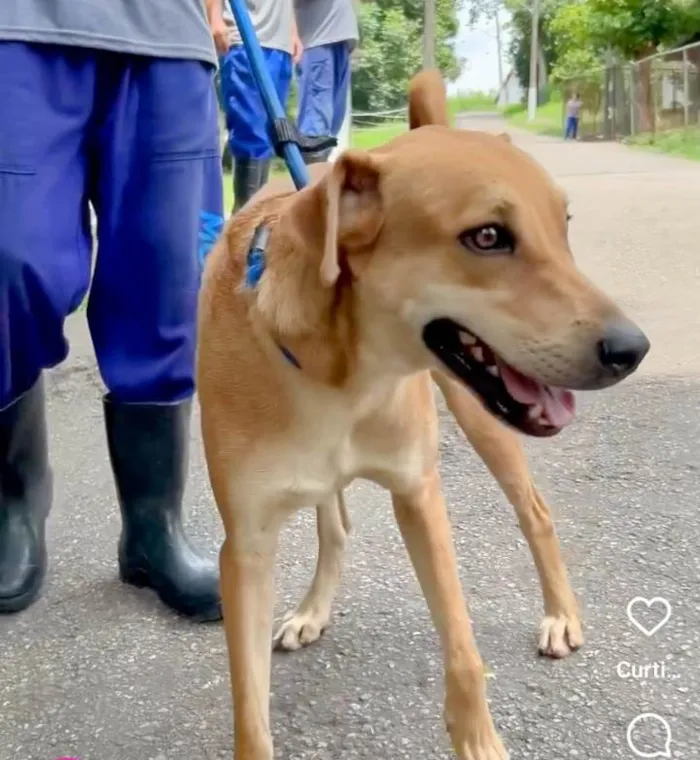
x: 520, y: 27
x: 521, y: 35
x: 636, y: 29
x: 389, y: 55
x: 391, y: 50
x: 447, y: 28
x: 578, y: 60
x: 575, y: 52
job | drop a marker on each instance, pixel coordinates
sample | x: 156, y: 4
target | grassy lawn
x: 366, y: 139
x: 547, y: 119
x: 477, y: 101
x: 684, y: 143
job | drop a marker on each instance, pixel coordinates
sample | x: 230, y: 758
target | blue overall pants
x: 324, y: 79
x: 246, y: 117
x: 138, y: 138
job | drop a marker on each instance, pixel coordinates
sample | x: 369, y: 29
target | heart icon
x: 656, y: 602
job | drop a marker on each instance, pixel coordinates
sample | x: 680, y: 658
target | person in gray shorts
x: 109, y: 103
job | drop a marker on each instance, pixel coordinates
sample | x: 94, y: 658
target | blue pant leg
x: 316, y: 88
x: 246, y: 118
x: 281, y: 70
x: 570, y: 127
x: 47, y: 96
x: 341, y: 84
x: 160, y: 206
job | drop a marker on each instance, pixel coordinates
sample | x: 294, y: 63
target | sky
x: 478, y: 46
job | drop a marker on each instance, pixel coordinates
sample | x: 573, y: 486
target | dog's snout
x: 622, y: 348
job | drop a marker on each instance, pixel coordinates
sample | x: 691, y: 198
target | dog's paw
x: 560, y: 636
x: 493, y: 752
x: 299, y: 629
x: 471, y: 728
x: 474, y: 744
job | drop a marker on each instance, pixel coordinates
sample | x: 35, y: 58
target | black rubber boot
x: 25, y: 499
x: 249, y: 175
x: 148, y: 449
x: 317, y: 157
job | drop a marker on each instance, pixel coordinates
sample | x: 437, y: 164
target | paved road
x: 99, y: 671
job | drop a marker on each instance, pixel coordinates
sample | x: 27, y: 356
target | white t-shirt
x: 271, y: 19
x: 323, y: 22
x: 154, y: 28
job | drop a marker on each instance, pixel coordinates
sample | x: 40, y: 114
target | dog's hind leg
x: 425, y: 527
x: 305, y: 624
x: 501, y: 450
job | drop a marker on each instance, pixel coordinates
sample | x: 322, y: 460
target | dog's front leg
x: 247, y: 593
x: 424, y: 525
x: 502, y: 452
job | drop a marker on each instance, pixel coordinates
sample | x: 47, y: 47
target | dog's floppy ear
x: 353, y: 209
x: 427, y: 100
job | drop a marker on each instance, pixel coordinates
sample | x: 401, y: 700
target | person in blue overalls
x: 573, y: 115
x: 248, y: 125
x: 111, y: 104
x: 328, y: 32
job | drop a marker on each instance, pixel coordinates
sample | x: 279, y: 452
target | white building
x: 511, y: 91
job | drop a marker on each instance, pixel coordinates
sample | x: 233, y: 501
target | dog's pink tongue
x: 558, y: 404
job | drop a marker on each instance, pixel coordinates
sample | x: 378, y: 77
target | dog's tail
x: 427, y: 100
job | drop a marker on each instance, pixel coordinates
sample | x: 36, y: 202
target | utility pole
x: 429, y: 34
x: 533, y: 85
x: 498, y: 46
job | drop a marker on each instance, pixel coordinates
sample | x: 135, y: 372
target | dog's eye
x: 491, y: 238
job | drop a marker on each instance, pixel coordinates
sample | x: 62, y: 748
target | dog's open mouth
x: 526, y: 404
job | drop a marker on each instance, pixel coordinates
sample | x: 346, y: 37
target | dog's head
x: 456, y: 246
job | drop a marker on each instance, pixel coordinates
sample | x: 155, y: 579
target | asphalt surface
x: 99, y: 671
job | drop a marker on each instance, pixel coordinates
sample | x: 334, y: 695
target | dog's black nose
x: 622, y: 348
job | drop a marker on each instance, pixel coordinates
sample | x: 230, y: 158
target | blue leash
x: 289, y: 144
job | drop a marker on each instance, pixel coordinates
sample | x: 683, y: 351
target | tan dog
x: 442, y: 251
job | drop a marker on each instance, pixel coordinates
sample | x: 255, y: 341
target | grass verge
x: 473, y: 101
x: 547, y: 119
x: 684, y: 143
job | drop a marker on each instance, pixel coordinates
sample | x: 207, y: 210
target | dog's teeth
x: 467, y: 338
x: 492, y: 370
x: 478, y: 353
x: 534, y: 412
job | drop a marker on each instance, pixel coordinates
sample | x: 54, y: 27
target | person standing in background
x: 246, y: 119
x: 329, y: 33
x: 573, y: 114
x: 109, y: 103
